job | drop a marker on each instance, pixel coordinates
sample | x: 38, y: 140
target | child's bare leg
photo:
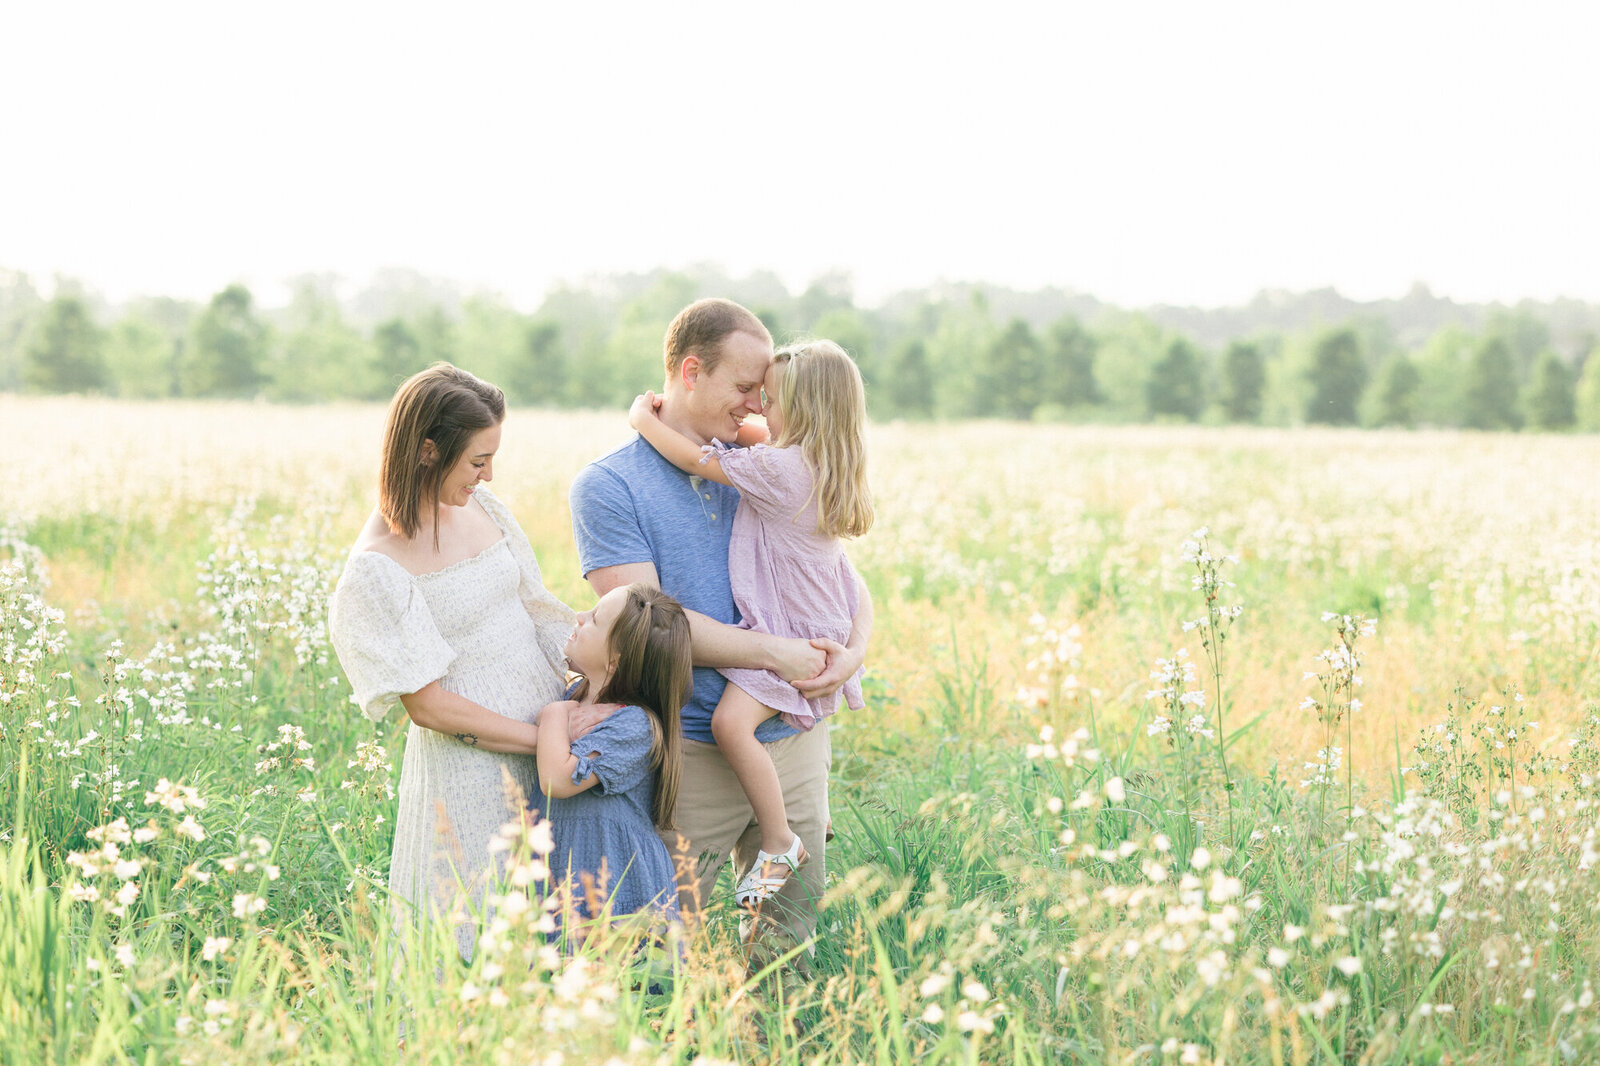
x: 734, y: 724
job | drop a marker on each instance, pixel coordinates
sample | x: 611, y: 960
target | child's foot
x: 769, y: 874
x: 827, y: 834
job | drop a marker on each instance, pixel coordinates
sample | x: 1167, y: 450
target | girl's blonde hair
x: 652, y: 668
x: 824, y: 407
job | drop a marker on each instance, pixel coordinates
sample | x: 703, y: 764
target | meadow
x: 1182, y: 745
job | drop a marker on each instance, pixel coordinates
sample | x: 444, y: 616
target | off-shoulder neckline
x: 504, y: 538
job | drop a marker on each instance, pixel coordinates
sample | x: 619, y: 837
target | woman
x: 442, y: 610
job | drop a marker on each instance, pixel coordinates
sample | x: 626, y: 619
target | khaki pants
x: 714, y: 819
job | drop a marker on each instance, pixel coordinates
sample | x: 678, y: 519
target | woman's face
x: 476, y: 464
x: 769, y: 400
x: 589, y: 647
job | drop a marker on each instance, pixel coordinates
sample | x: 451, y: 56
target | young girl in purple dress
x: 607, y: 792
x: 798, y: 497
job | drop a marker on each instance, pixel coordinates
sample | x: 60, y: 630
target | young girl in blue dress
x: 608, y: 791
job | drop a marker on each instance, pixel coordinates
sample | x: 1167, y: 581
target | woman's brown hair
x: 442, y: 404
x: 653, y: 668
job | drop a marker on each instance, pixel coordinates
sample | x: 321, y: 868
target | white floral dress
x: 486, y: 629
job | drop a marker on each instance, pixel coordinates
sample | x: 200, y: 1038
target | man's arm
x: 718, y: 645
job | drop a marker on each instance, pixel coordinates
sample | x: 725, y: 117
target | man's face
x: 720, y: 399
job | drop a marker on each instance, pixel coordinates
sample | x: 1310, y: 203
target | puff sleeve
x: 553, y: 620
x: 775, y: 481
x: 617, y: 751
x: 384, y: 634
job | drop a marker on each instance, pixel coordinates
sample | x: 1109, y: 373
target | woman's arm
x: 433, y: 707
x: 556, y: 761
x: 674, y: 447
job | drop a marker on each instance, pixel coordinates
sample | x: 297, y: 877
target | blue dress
x: 607, y: 830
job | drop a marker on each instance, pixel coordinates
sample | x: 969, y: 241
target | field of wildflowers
x: 1182, y: 746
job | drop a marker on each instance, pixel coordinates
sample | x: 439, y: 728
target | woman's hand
x: 645, y: 408
x: 581, y: 719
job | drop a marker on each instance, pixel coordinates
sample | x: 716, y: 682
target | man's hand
x: 644, y: 407
x: 842, y: 664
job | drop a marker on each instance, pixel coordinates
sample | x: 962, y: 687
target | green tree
x: 162, y: 375
x: 1525, y: 334
x: 850, y: 330
x: 1130, y: 344
x: 911, y: 380
x: 1338, y: 376
x: 1244, y: 381
x: 320, y: 357
x: 396, y: 355
x: 541, y: 376
x: 1442, y: 366
x: 20, y: 306
x: 1176, y: 385
x: 1011, y: 371
x: 1552, y: 401
x: 492, y: 335
x: 140, y: 358
x: 67, y: 350
x: 1489, y: 393
x: 1588, y: 398
x: 227, y: 349
x: 832, y: 291
x: 1067, y: 373
x: 437, y: 337
x: 1397, y: 393
x: 956, y: 350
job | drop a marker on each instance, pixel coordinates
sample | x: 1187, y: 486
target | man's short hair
x: 700, y: 328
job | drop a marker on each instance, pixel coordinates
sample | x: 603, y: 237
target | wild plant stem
x: 1349, y: 786
x: 1215, y: 655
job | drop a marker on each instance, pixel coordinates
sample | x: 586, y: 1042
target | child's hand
x: 644, y: 408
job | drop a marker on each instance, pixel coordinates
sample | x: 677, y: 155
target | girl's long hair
x: 824, y: 407
x: 654, y: 669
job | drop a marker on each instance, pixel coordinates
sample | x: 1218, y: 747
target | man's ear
x: 689, y: 371
x: 430, y: 452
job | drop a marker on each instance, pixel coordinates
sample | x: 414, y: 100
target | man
x: 636, y: 517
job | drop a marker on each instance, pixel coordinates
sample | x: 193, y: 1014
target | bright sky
x: 1142, y: 152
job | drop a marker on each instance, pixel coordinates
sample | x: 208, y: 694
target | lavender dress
x: 788, y: 579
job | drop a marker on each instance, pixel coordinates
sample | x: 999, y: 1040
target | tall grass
x: 1030, y: 866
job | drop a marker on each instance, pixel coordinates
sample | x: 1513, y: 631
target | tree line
x: 954, y: 352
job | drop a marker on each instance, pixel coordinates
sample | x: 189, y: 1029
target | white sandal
x: 758, y: 887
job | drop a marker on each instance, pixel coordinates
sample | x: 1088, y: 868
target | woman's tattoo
x: 469, y: 739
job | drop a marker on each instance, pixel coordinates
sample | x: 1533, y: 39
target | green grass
x: 994, y: 895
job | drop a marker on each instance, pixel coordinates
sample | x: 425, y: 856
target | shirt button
x: 713, y: 514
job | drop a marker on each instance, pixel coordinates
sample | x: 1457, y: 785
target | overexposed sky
x: 1163, y: 152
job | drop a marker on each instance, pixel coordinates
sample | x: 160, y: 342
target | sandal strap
x: 756, y: 889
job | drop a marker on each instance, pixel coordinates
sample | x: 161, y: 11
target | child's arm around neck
x: 674, y: 447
